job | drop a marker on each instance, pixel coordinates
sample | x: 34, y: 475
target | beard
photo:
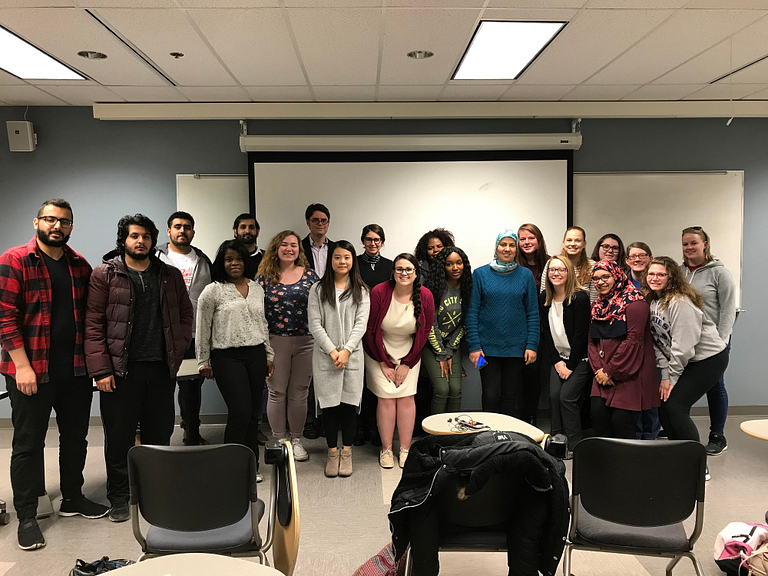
x: 247, y: 238
x: 136, y: 255
x: 181, y: 242
x: 45, y: 238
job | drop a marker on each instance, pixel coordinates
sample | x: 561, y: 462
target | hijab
x: 613, y: 306
x: 496, y: 264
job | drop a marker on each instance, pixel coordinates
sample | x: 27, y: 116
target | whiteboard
x: 214, y: 201
x: 473, y: 199
x: 654, y: 207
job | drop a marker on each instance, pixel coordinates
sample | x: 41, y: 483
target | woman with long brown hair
x: 574, y: 248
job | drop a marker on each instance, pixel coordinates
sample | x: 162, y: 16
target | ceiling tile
x: 730, y: 4
x: 663, y: 92
x: 149, y: 93
x: 459, y: 92
x: 6, y: 78
x: 444, y: 32
x: 344, y: 93
x: 535, y: 14
x: 762, y: 95
x: 536, y: 93
x: 681, y: 37
x: 36, y: 3
x: 634, y: 4
x: 279, y: 93
x: 126, y: 3
x: 229, y: 3
x: 435, y: 3
x: 579, y: 51
x: 28, y: 96
x: 83, y: 95
x: 409, y: 93
x: 254, y: 45
x: 726, y: 92
x: 338, y: 46
x: 609, y: 93
x: 62, y: 32
x: 331, y: 3
x: 539, y: 4
x: 157, y: 33
x: 755, y: 74
x: 215, y: 93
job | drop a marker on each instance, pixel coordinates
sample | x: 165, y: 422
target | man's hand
x: 106, y: 384
x: 26, y: 380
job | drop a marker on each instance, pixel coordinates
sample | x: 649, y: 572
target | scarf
x: 372, y: 260
x: 496, y: 264
x: 613, y: 306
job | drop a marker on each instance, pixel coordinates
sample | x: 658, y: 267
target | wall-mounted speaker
x: 21, y: 136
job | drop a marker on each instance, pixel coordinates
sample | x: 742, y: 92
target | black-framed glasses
x: 601, y: 279
x: 322, y: 221
x: 405, y: 271
x: 51, y: 221
x: 638, y: 256
x: 609, y: 248
x: 369, y: 240
x: 557, y: 270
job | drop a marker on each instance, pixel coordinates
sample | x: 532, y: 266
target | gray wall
x: 108, y: 169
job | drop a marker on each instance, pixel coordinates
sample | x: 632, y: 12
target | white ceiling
x: 355, y: 50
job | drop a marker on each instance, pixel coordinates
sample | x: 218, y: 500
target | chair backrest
x: 191, y: 488
x: 639, y: 482
x: 285, y: 550
x: 489, y: 506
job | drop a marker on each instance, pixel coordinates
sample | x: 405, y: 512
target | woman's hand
x: 389, y: 373
x: 206, y: 371
x: 665, y: 389
x: 475, y: 356
x: 446, y: 368
x: 562, y: 370
x: 530, y: 357
x: 270, y: 368
x: 400, y: 374
x: 602, y: 378
x: 342, y: 357
x: 334, y: 354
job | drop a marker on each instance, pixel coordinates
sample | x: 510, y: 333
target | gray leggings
x: 289, y: 385
x: 446, y: 395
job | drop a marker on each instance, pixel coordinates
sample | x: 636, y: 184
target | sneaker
x: 299, y: 452
x: 707, y: 475
x: 310, y: 432
x: 82, y: 507
x: 386, y: 459
x: 30, y: 536
x: 259, y: 477
x: 119, y: 512
x: 359, y: 439
x: 717, y: 444
x: 402, y: 457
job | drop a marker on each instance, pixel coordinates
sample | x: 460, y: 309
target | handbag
x: 83, y: 568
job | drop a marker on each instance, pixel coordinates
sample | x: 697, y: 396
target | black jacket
x: 308, y: 251
x: 576, y: 318
x: 541, y: 524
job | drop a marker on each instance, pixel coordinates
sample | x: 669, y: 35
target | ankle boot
x: 345, y: 465
x: 332, y: 466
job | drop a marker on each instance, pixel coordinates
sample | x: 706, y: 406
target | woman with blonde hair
x: 574, y: 248
x: 285, y: 276
x: 565, y: 316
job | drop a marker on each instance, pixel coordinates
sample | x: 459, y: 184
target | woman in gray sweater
x: 338, y: 316
x: 689, y: 351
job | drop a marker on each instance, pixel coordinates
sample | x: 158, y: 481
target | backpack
x: 741, y: 549
x: 102, y: 566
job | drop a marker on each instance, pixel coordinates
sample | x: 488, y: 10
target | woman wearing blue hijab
x: 503, y: 326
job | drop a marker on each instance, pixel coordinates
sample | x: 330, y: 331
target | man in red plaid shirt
x: 43, y: 287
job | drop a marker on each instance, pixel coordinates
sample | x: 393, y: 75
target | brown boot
x: 345, y: 466
x: 332, y: 466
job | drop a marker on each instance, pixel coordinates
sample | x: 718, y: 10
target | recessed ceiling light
x: 92, y: 55
x: 420, y: 54
x: 20, y: 58
x: 502, y: 50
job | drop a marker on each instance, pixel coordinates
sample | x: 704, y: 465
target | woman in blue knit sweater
x: 503, y: 326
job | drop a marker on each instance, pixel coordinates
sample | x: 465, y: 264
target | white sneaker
x: 403, y: 456
x: 299, y: 452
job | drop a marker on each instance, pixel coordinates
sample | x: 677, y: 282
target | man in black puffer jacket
x: 536, y: 530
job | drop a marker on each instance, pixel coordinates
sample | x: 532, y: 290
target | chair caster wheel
x: 5, y: 518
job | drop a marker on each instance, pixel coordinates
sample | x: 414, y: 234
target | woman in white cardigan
x: 338, y: 316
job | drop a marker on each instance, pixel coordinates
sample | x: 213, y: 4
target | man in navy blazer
x: 317, y: 248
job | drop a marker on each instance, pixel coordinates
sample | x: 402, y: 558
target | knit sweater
x: 503, y: 315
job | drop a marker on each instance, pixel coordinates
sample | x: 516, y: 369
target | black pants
x: 144, y: 395
x: 694, y: 382
x: 70, y: 397
x: 343, y: 416
x: 366, y: 420
x: 502, y: 380
x: 532, y: 382
x: 190, y: 398
x: 613, y: 422
x: 566, y: 398
x: 240, y: 375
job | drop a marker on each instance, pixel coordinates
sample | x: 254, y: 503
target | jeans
x: 717, y: 400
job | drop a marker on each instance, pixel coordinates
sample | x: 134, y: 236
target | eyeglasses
x: 657, y: 274
x: 638, y: 256
x: 369, y: 240
x: 557, y: 270
x: 51, y: 221
x: 405, y: 271
x: 609, y: 248
x: 601, y: 279
x: 322, y: 221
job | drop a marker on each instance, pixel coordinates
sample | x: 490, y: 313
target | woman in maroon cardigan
x: 402, y: 312
x: 621, y: 354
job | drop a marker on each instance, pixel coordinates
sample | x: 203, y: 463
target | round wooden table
x: 194, y: 564
x: 441, y: 424
x: 756, y: 428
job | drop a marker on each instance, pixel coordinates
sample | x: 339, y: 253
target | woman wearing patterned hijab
x: 621, y: 354
x: 503, y: 326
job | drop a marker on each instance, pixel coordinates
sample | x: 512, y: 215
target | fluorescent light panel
x: 502, y: 50
x: 21, y: 59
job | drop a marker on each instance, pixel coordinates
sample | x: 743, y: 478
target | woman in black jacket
x: 565, y: 316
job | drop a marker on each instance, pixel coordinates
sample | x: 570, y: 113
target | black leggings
x: 613, y: 422
x: 502, y: 380
x: 694, y: 382
x: 344, y: 416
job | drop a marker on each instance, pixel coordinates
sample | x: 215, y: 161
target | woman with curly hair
x: 430, y: 245
x: 450, y: 282
x: 610, y: 247
x: 689, y: 351
x: 401, y: 317
x: 285, y: 276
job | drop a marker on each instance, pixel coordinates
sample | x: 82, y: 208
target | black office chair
x: 204, y: 498
x: 631, y: 497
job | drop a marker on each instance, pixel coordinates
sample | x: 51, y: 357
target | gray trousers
x: 566, y: 398
x: 289, y: 385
